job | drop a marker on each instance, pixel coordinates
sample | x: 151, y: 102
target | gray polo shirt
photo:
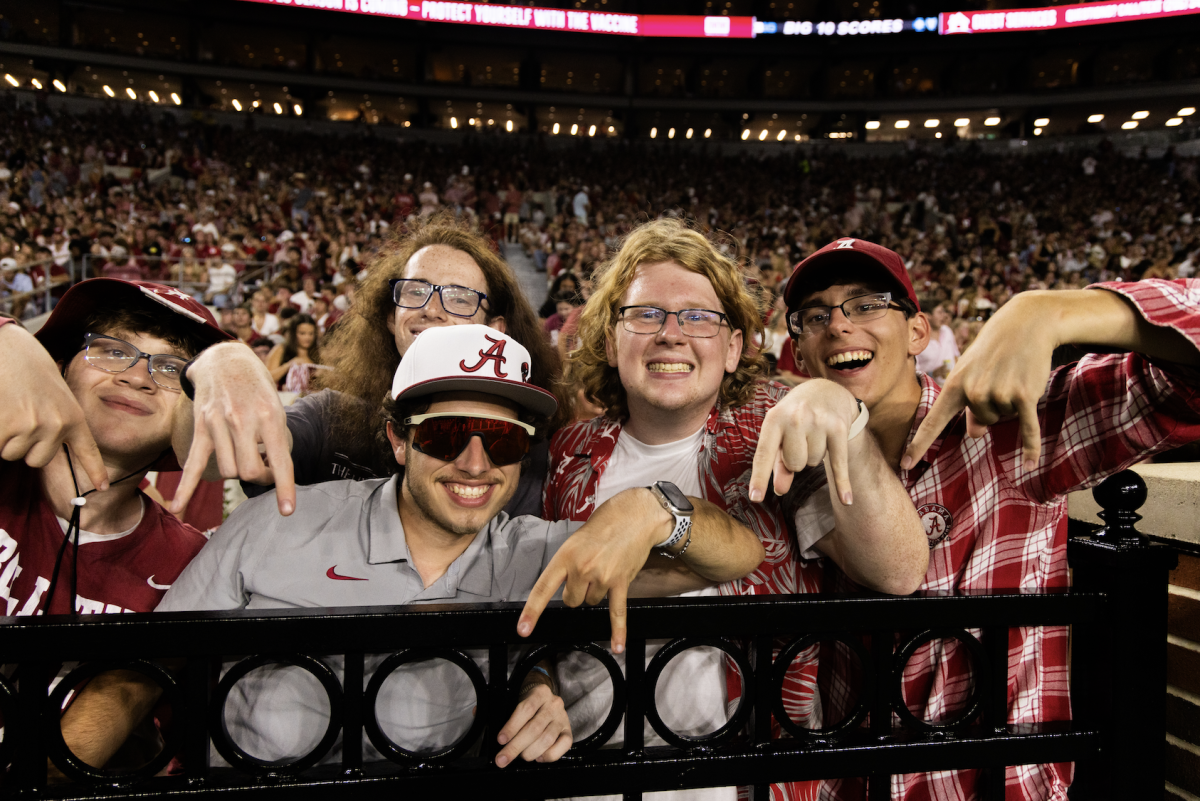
x: 342, y: 531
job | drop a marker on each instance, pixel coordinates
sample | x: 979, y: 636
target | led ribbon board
x: 1041, y: 19
x: 543, y: 19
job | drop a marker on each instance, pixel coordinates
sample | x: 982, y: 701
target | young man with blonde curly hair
x: 665, y: 347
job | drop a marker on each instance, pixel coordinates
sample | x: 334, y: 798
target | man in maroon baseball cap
x: 989, y: 459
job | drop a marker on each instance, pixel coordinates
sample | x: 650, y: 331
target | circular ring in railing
x: 601, y: 735
x: 740, y: 715
x: 393, y: 750
x: 235, y: 755
x: 75, y: 768
x: 835, y: 731
x: 971, y: 709
x: 8, y: 699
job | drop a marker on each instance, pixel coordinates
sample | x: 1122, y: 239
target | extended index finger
x: 543, y: 591
x: 948, y: 404
x: 193, y: 469
x: 618, y: 615
x: 279, y: 457
x: 766, y: 454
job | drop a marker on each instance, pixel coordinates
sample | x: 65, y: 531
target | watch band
x: 187, y: 386
x: 683, y: 522
x: 859, y: 423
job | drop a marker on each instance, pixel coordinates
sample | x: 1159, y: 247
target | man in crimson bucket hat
x: 88, y: 406
x: 989, y: 459
x: 459, y: 419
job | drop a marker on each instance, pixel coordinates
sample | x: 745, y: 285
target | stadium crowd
x: 650, y: 469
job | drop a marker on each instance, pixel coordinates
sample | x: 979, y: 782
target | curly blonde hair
x: 362, y: 350
x: 652, y: 242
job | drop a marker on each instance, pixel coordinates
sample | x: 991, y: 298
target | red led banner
x: 1041, y: 19
x: 543, y: 19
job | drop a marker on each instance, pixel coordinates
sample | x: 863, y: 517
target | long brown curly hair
x: 652, y: 242
x: 362, y: 350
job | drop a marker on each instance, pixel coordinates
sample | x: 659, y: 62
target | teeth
x: 468, y: 492
x: 673, y: 367
x: 850, y: 356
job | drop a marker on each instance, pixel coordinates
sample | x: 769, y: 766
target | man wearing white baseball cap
x: 459, y: 420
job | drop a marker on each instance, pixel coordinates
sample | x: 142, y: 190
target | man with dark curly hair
x: 667, y: 346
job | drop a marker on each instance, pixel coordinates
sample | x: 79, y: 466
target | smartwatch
x: 678, y: 505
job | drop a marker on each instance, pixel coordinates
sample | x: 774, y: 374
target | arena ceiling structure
x: 756, y: 71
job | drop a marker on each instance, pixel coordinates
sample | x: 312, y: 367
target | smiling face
x: 128, y: 414
x: 440, y: 265
x: 874, y: 360
x: 461, y: 496
x: 671, y: 380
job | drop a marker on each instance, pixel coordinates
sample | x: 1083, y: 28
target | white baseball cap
x: 472, y: 358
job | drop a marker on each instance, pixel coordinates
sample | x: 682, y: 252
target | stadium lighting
x: 471, y: 121
x: 1187, y: 112
x: 1042, y: 122
x: 59, y: 85
x: 12, y: 80
x: 132, y: 94
x: 454, y: 124
x: 781, y: 135
x: 591, y: 130
x: 992, y: 121
x: 671, y: 134
x: 612, y: 129
x: 574, y: 129
x: 108, y: 90
x: 938, y: 135
x: 508, y: 126
x: 255, y: 104
x: 296, y: 107
x: 175, y: 99
x: 153, y: 95
x: 689, y: 133
x: 745, y: 134
x: 555, y: 128
x: 653, y: 133
x: 872, y: 125
x: 237, y: 104
x: 707, y: 133
x: 901, y: 123
x: 932, y: 123
x: 1129, y: 126
x: 962, y: 122
x: 1037, y: 131
x: 491, y: 122
x: 762, y: 137
x: 278, y: 108
x: 1171, y: 123
x: 1095, y: 118
x: 36, y: 83
x: 1139, y: 115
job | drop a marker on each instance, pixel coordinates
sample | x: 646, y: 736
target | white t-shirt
x: 691, y: 696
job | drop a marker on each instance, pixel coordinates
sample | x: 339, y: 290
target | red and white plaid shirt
x: 994, y: 527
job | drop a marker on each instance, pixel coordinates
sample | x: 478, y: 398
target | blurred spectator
x: 301, y: 346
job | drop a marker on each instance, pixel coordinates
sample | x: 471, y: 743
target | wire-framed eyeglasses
x: 702, y: 323
x: 114, y: 355
x: 413, y: 293
x: 859, y: 309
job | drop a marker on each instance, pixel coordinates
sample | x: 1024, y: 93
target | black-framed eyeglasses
x: 114, y: 355
x: 859, y: 309
x: 413, y: 293
x: 702, y: 323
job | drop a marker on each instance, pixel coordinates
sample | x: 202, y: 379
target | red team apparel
x: 122, y: 574
x: 579, y: 454
x: 992, y: 526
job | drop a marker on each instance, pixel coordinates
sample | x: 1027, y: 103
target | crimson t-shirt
x: 125, y: 574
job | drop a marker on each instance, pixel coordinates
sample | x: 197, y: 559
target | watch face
x: 674, y: 496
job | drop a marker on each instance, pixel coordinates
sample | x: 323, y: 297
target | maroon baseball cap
x: 63, y: 332
x: 845, y: 253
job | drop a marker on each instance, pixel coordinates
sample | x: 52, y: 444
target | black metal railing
x: 1117, y: 609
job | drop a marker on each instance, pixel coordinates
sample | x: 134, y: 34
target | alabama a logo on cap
x: 937, y: 521
x: 494, y: 354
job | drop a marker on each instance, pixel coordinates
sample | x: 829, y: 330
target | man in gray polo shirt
x: 459, y: 419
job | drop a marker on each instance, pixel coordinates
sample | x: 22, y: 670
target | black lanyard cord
x: 77, y: 504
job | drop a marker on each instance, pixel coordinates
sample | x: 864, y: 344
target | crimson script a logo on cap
x: 494, y: 354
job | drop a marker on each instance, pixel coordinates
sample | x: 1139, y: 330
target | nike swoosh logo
x: 150, y: 581
x: 332, y: 573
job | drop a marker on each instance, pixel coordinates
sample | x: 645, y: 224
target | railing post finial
x: 1119, y: 496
